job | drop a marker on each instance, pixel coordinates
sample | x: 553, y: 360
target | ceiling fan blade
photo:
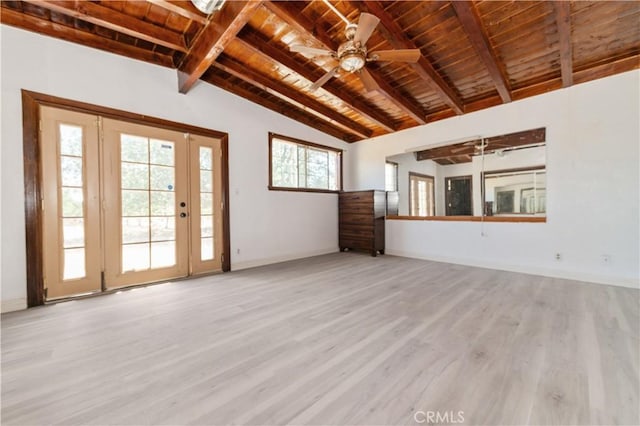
x: 462, y: 148
x: 366, y: 24
x: 300, y: 48
x: 398, y: 55
x: 474, y: 145
x: 370, y: 84
x: 322, y: 80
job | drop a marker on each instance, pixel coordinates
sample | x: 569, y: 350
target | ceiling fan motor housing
x: 350, y: 31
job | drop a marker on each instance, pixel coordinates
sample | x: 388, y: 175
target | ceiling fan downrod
x: 337, y: 12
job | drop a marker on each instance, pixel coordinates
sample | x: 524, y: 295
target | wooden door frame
x: 446, y: 192
x: 420, y: 175
x: 31, y: 101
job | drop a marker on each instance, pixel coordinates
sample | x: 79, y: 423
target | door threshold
x: 126, y: 288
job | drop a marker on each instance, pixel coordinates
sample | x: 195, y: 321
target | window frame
x: 396, y: 167
x: 433, y: 193
x: 307, y: 144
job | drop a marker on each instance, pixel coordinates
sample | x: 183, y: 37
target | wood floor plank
x: 336, y: 339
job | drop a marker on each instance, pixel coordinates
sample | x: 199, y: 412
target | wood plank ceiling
x: 474, y: 55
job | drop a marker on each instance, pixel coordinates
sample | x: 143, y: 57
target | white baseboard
x: 546, y: 272
x: 13, y: 305
x: 236, y: 266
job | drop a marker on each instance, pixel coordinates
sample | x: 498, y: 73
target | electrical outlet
x: 238, y: 251
x: 606, y: 258
x: 558, y: 256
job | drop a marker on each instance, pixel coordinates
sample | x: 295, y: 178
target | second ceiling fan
x: 352, y: 55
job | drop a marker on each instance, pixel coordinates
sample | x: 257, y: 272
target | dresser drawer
x: 356, y: 218
x: 364, y: 209
x: 357, y: 232
x: 354, y: 197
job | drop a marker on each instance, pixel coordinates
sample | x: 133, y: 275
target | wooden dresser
x: 362, y: 221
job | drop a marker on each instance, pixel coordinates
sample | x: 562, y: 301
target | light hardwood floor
x: 336, y: 339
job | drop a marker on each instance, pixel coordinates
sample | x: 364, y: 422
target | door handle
x: 183, y: 214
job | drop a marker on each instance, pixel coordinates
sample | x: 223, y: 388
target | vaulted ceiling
x: 473, y: 55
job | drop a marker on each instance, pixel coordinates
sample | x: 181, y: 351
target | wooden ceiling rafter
x: 213, y: 76
x: 300, y: 23
x: 611, y: 67
x: 43, y: 26
x: 256, y: 44
x: 423, y: 67
x: 537, y: 46
x: 180, y: 10
x: 117, y: 21
x: 477, y: 34
x: 410, y: 108
x: 563, y: 20
x: 214, y: 37
x: 290, y: 95
x: 457, y: 151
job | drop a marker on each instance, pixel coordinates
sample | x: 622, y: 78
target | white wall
x: 266, y: 226
x: 593, y: 139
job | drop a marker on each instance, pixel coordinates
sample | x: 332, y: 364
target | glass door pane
x: 72, y: 188
x: 147, y: 183
x: 206, y: 203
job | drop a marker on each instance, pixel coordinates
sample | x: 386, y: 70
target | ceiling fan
x: 478, y: 146
x: 353, y: 55
x: 488, y: 146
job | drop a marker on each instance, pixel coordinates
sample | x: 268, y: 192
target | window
x: 297, y: 165
x: 391, y: 176
x: 421, y: 196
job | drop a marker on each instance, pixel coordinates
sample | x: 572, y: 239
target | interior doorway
x: 458, y: 196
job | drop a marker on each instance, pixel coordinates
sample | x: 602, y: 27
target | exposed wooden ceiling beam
x: 221, y: 29
x: 117, y: 21
x: 423, y: 67
x: 472, y: 25
x: 305, y: 26
x: 563, y: 20
x: 44, y: 26
x: 446, y: 151
x: 300, y: 23
x: 255, y: 43
x: 213, y: 76
x: 403, y: 103
x: 290, y: 95
x: 181, y: 8
x: 509, y: 140
x: 605, y: 69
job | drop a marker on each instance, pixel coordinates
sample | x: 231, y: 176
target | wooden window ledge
x: 507, y: 219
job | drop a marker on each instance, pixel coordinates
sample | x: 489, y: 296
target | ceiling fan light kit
x: 351, y: 56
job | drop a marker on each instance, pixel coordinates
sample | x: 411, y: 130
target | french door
x: 126, y: 204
